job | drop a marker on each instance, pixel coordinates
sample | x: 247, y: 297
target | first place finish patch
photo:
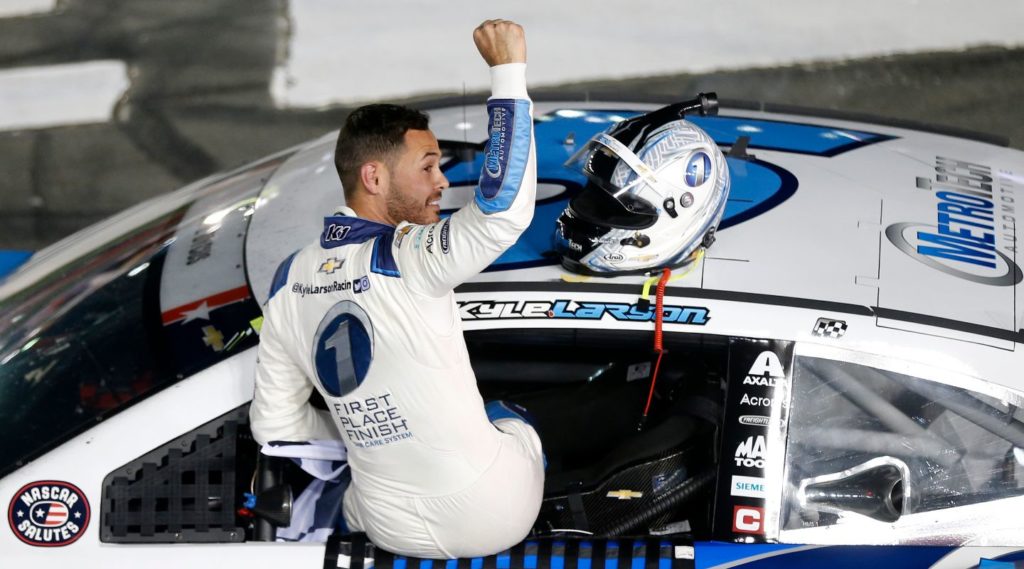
x: 49, y: 513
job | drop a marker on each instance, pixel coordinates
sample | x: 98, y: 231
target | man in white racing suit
x: 367, y: 317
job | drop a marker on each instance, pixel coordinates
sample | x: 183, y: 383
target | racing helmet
x: 656, y: 191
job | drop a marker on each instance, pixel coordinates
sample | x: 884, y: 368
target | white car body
x: 842, y: 245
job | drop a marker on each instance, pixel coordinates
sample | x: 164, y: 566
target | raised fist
x: 500, y: 41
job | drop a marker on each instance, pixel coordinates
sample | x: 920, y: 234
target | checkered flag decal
x: 828, y: 328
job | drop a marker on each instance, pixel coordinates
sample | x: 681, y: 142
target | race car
x: 839, y: 379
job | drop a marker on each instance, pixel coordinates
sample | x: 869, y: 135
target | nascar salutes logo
x: 974, y: 211
x: 50, y: 513
x: 572, y: 310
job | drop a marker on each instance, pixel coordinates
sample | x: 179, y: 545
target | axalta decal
x: 766, y: 370
x: 570, y: 309
x: 975, y: 214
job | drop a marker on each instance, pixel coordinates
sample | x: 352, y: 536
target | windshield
x: 151, y: 307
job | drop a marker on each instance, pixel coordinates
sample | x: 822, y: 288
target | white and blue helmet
x: 654, y: 194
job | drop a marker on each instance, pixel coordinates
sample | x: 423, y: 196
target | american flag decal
x: 49, y: 514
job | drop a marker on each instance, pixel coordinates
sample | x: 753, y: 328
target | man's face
x: 416, y: 180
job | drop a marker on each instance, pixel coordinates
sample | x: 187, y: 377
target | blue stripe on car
x: 639, y: 554
x: 558, y: 560
x: 665, y: 555
x: 611, y: 560
x: 583, y: 561
x: 10, y: 260
x: 777, y: 556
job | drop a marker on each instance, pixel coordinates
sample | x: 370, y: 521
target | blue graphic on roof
x: 10, y: 260
x: 796, y: 138
x: 757, y: 186
x: 1012, y: 557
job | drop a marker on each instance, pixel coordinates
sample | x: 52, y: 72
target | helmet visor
x: 609, y: 165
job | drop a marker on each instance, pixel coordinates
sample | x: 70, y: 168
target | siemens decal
x: 569, y: 309
x: 975, y: 213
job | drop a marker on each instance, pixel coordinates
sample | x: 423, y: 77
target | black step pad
x: 541, y: 553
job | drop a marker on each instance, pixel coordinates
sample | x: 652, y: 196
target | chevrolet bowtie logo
x: 625, y: 494
x: 330, y: 265
x: 212, y: 337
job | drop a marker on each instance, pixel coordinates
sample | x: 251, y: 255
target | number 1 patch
x: 343, y: 348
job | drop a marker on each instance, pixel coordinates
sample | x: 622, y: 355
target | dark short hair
x: 372, y: 132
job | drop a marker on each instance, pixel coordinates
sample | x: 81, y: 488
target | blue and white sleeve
x: 436, y: 258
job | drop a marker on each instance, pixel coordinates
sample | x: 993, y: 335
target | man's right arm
x: 435, y: 258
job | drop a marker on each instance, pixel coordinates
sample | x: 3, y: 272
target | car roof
x: 821, y: 211
x: 905, y: 237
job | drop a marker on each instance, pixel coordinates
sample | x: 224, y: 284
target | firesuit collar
x: 347, y: 229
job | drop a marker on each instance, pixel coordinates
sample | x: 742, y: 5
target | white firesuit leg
x: 514, y: 479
